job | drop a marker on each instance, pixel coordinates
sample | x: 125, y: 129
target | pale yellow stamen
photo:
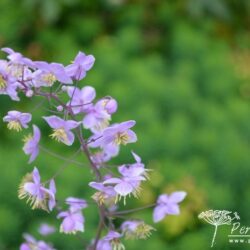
x: 136, y: 192
x: 3, y: 83
x: 59, y: 135
x: 49, y: 79
x: 117, y: 245
x: 122, y: 138
x: 119, y: 197
x: 34, y: 201
x: 27, y: 138
x: 15, y: 125
x: 99, y: 197
x: 142, y: 231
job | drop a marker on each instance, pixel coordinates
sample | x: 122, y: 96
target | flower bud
x: 29, y: 93
x: 59, y: 108
x: 111, y: 105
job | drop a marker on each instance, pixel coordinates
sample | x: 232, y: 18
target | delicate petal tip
x: 54, y: 121
x: 159, y: 214
x: 177, y: 196
x: 136, y: 157
x: 36, y: 175
x: 36, y: 132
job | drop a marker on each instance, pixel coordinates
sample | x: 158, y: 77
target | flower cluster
x: 73, y: 110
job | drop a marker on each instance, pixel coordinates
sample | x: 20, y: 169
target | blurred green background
x: 181, y: 70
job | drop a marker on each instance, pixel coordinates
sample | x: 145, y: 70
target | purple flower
x: 48, y: 73
x: 8, y: 85
x: 46, y: 229
x: 81, y: 64
x: 109, y: 104
x: 32, y: 188
x: 31, y: 146
x: 168, y: 204
x: 17, y: 58
x: 119, y: 134
x: 104, y: 155
x: 73, y: 221
x: 31, y: 244
x: 76, y: 204
x: 17, y: 120
x: 125, y: 185
x: 106, y: 193
x: 133, y: 170
x: 18, y: 66
x: 130, y: 181
x: 111, y: 241
x: 62, y: 129
x: 99, y: 115
x: 81, y: 98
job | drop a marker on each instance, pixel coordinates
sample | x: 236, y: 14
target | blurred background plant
x: 180, y: 69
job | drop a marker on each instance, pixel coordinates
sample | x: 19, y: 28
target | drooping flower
x: 99, y: 115
x: 32, y: 244
x: 62, y: 129
x: 135, y: 169
x: 76, y: 204
x: 81, y: 99
x: 31, y: 146
x: 48, y: 73
x: 111, y: 242
x: 168, y: 204
x: 104, y: 154
x: 32, y: 188
x: 131, y: 177
x: 81, y: 64
x: 17, y: 58
x: 105, y: 194
x: 73, y: 221
x: 46, y: 229
x: 18, y: 65
x: 8, y: 85
x: 17, y: 120
x: 136, y: 229
x: 125, y: 186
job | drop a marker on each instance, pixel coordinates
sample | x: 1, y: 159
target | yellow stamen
x: 34, y: 201
x: 3, y: 83
x: 59, y: 135
x: 99, y: 197
x: 119, y: 197
x: 122, y: 138
x: 27, y: 138
x: 15, y: 125
x: 49, y: 79
x: 143, y: 231
x: 117, y: 245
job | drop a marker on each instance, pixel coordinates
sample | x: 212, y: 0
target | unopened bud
x: 29, y: 93
x: 59, y: 108
x: 64, y: 88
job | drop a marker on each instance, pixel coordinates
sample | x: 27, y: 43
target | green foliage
x: 171, y: 68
